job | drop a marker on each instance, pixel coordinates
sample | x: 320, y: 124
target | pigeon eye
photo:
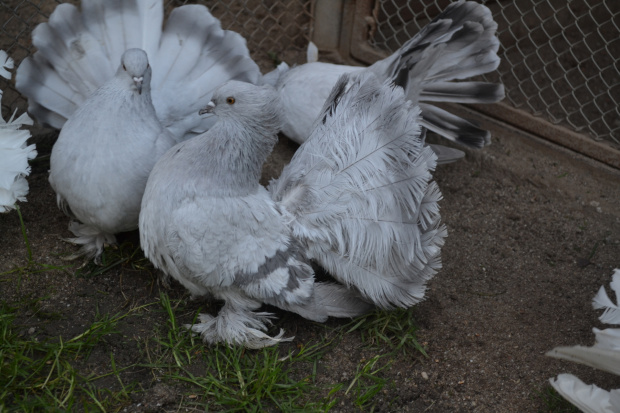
x: 230, y: 100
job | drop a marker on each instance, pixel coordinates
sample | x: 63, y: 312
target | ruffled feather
x: 603, y: 355
x: 14, y: 151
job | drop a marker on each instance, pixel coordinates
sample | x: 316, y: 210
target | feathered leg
x: 91, y: 240
x: 237, y: 324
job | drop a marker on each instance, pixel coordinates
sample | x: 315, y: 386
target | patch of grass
x: 42, y: 376
x: 366, y: 383
x: 553, y: 402
x: 126, y: 255
x: 394, y: 329
x: 235, y: 378
x: 31, y: 267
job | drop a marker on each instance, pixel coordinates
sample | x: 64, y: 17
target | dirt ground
x: 534, y: 231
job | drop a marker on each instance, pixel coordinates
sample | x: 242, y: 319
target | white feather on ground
x: 604, y: 355
x: 117, y: 120
x: 14, y: 150
x: 357, y: 198
x: 463, y: 37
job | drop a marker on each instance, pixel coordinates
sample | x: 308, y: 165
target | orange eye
x: 230, y: 100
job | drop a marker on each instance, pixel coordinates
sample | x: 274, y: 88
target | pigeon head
x: 241, y: 100
x: 136, y: 69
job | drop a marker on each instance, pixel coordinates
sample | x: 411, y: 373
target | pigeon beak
x: 138, y: 82
x: 207, y: 109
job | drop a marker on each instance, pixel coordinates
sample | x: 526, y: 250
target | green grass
x: 234, y: 378
x: 42, y: 376
x: 264, y: 380
x: 49, y: 375
x: 31, y: 267
x: 127, y: 256
x: 367, y: 381
x: 395, y: 330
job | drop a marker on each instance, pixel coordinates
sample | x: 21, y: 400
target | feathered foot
x: 164, y: 279
x: 92, y: 241
x: 237, y: 327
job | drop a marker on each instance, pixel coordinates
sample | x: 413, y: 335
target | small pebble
x: 424, y: 375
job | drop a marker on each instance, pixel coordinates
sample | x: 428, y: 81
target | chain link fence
x: 275, y: 30
x: 560, y: 58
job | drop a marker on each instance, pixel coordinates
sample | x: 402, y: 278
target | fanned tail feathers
x: 359, y: 193
x: 79, y: 51
x: 459, y: 43
x: 190, y: 70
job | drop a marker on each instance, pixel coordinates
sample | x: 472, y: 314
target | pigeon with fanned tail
x: 357, y: 198
x: 123, y: 91
x: 463, y: 36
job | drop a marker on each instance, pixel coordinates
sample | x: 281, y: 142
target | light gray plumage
x: 459, y: 43
x: 105, y: 152
x: 357, y: 198
x: 113, y: 132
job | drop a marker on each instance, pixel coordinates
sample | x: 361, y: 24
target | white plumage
x: 78, y: 51
x: 604, y: 355
x: 463, y: 37
x: 588, y: 398
x: 123, y: 91
x: 357, y: 198
x: 14, y: 151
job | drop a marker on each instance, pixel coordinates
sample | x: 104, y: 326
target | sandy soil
x: 534, y: 231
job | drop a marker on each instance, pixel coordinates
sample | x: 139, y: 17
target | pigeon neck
x: 239, y: 154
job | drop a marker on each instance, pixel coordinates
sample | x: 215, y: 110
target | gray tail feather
x: 459, y: 43
x: 328, y: 300
x: 446, y: 155
x: 340, y: 301
x: 453, y: 127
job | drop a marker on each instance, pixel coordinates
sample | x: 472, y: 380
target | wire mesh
x: 274, y: 30
x: 560, y: 59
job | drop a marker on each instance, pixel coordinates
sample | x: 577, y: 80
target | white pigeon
x: 604, y: 355
x: 357, y: 198
x: 465, y: 31
x: 14, y: 151
x: 123, y: 91
x: 104, y: 154
x: 79, y: 51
